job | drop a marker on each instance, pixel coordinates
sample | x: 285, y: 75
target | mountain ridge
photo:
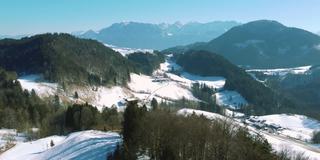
x: 158, y: 36
x: 263, y: 44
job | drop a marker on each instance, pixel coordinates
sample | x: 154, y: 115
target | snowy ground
x: 12, y: 135
x: 164, y: 88
x: 188, y: 78
x: 43, y: 89
x: 294, y: 126
x: 282, y: 71
x: 230, y: 99
x: 84, y: 145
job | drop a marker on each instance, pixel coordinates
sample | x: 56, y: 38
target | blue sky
x: 38, y: 16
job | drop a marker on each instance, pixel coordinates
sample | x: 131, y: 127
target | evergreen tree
x: 76, y: 96
x: 51, y: 143
x: 154, y: 104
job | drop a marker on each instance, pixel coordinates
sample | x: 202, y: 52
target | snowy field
x: 282, y: 71
x: 230, y: 99
x: 94, y: 145
x: 10, y: 135
x: 188, y: 78
x: 294, y: 126
x: 42, y: 89
x: 164, y: 88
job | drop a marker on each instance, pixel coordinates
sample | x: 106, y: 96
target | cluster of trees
x: 316, y: 137
x: 301, y: 89
x: 161, y: 134
x: 18, y: 108
x: 146, y: 63
x: 79, y: 117
x: 65, y: 59
x: 23, y: 110
x: 205, y: 94
x: 264, y: 100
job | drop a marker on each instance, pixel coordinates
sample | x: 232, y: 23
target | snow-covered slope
x: 160, y: 87
x: 42, y: 88
x: 230, y: 99
x: 94, y: 145
x: 10, y: 136
x: 295, y: 126
x: 188, y: 78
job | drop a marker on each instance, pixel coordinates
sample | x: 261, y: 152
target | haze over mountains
x: 158, y: 36
x: 263, y: 44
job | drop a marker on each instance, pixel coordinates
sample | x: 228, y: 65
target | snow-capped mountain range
x: 158, y: 36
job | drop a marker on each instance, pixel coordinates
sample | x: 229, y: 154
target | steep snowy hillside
x: 95, y: 145
x: 230, y: 99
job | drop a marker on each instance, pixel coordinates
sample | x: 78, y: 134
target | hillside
x: 17, y: 105
x: 158, y: 36
x: 264, y: 44
x: 72, y: 146
x: 263, y: 99
x: 64, y: 58
x: 300, y: 84
x: 146, y: 63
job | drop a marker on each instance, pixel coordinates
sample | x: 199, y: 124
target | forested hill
x: 65, y: 58
x: 262, y: 98
x: 263, y: 44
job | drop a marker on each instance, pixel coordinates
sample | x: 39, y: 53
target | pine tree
x: 154, y: 104
x: 76, y: 96
x: 51, y: 143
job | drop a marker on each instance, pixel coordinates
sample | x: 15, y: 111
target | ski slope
x: 93, y: 145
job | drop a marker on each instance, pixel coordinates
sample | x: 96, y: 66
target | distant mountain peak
x: 264, y: 44
x: 159, y: 36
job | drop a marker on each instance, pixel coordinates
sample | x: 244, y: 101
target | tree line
x: 160, y: 134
